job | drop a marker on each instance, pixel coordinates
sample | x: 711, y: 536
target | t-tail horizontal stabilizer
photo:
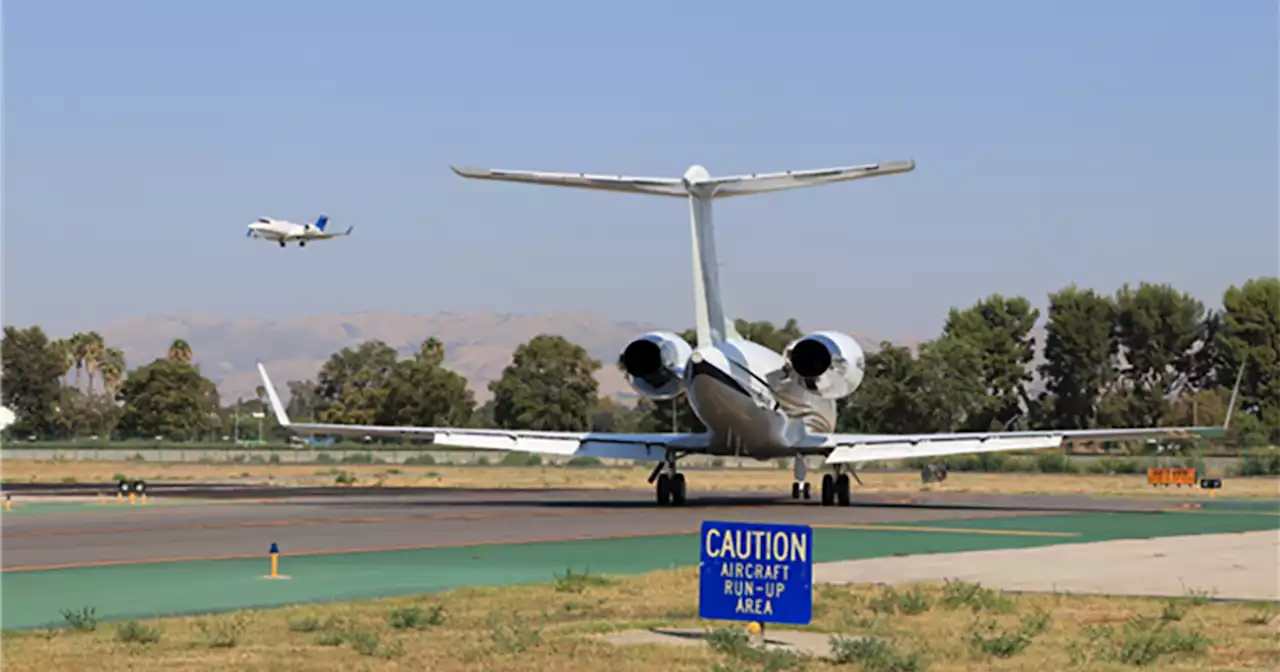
x: 696, y: 181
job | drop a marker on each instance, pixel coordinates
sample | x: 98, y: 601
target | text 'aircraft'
x: 754, y: 402
x: 285, y: 232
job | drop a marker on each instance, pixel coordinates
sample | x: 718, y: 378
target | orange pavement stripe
x: 340, y: 551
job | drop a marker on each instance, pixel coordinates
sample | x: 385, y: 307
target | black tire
x: 664, y: 490
x: 807, y: 491
x: 842, y: 490
x: 828, y: 490
x: 678, y: 490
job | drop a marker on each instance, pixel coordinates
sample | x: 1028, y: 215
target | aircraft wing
x: 740, y: 185
x: 645, y: 447
x: 858, y: 448
x: 658, y: 186
x: 326, y: 236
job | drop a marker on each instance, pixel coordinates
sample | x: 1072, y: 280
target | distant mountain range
x: 478, y: 346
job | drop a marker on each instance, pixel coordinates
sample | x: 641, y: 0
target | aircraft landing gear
x: 836, y: 489
x: 302, y: 243
x: 670, y: 488
x: 800, y: 488
x: 282, y: 243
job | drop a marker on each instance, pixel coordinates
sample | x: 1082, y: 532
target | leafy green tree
x: 1158, y: 329
x: 1000, y: 329
x: 351, y: 387
x: 1079, y: 352
x: 1250, y: 336
x: 548, y: 386
x: 303, y: 400
x: 32, y: 369
x: 611, y: 416
x: 935, y: 391
x: 168, y: 398
x: 890, y: 399
x: 180, y: 351
x: 421, y: 392
x: 764, y: 333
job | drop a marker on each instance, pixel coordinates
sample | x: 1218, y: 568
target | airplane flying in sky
x: 285, y: 232
x: 754, y: 402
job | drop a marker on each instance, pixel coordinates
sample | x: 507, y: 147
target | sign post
x: 759, y: 573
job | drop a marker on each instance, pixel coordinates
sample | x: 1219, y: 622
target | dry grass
x: 777, y: 480
x: 550, y: 626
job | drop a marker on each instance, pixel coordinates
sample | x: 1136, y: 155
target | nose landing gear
x: 800, y: 488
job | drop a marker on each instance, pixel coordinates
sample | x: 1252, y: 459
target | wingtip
x: 468, y: 171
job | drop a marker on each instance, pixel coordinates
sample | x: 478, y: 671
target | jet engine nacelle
x: 654, y: 364
x: 827, y: 363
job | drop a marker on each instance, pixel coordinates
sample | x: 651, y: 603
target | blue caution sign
x: 756, y: 572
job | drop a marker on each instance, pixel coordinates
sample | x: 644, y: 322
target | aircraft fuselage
x: 738, y: 390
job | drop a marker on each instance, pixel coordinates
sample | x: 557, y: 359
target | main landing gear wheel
x: 302, y: 243
x: 836, y: 490
x: 282, y: 243
x: 671, y: 489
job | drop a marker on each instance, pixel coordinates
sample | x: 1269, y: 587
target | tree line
x: 1143, y: 356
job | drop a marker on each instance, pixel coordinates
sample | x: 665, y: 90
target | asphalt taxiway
x: 204, y: 548
x: 214, y: 523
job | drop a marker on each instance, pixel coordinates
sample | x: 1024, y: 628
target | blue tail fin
x: 322, y: 221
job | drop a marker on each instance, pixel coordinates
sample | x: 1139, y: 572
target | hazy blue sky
x: 1057, y: 142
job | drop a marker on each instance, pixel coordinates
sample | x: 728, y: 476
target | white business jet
x: 285, y: 232
x: 753, y: 401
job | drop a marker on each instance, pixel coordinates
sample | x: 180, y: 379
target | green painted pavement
x: 34, y: 598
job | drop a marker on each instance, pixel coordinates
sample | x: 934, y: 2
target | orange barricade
x: 1171, y: 476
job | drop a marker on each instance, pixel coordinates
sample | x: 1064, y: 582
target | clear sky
x: 1057, y: 142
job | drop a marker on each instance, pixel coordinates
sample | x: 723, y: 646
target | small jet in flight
x: 285, y: 232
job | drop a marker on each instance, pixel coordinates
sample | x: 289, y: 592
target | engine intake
x: 654, y: 364
x: 827, y: 363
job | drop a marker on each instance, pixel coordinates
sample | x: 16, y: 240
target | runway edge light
x: 758, y: 573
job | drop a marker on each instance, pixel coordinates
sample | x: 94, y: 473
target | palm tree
x: 94, y: 348
x: 180, y: 351
x: 65, y: 352
x: 78, y: 345
x: 112, y: 368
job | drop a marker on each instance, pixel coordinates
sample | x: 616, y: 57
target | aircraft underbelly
x: 737, y: 424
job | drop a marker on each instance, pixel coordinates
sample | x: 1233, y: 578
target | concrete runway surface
x: 195, y: 522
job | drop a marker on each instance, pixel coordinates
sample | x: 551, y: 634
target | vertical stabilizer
x: 713, y: 326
